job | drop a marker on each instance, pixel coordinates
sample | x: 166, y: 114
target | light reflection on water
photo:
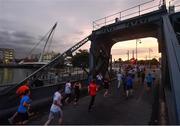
x: 13, y: 75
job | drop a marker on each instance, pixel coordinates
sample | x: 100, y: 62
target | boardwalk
x: 113, y: 109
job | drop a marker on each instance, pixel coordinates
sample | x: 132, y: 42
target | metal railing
x: 48, y: 67
x: 177, y: 8
x: 173, y: 62
x: 126, y: 14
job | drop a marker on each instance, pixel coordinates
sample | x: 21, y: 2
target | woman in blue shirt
x: 23, y: 108
x: 129, y: 85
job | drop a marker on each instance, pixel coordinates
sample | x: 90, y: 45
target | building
x: 49, y: 56
x: 7, y: 55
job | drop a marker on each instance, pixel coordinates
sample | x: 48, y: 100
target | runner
x: 106, y: 86
x: 23, y: 108
x: 149, y: 81
x: 92, y: 89
x: 99, y: 79
x: 67, y: 92
x: 142, y: 77
x: 119, y: 79
x: 19, y: 92
x: 124, y: 82
x: 55, y: 110
x: 129, y: 85
x: 77, y: 87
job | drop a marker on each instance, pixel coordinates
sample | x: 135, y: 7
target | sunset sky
x: 24, y: 22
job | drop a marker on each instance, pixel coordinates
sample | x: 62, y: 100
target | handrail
x: 173, y: 59
x: 177, y: 6
x: 119, y: 15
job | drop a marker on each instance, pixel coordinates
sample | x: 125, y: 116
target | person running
x: 77, y: 87
x: 55, y: 110
x: 124, y: 82
x: 153, y: 76
x: 22, y: 114
x: 92, y: 89
x: 99, y: 79
x: 106, y: 86
x: 19, y: 92
x: 149, y: 81
x: 129, y: 85
x: 138, y: 74
x: 119, y: 79
x: 67, y: 92
x: 142, y: 77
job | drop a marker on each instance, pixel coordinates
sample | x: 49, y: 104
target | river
x: 13, y: 75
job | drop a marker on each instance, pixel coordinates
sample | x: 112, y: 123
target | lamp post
x: 137, y: 40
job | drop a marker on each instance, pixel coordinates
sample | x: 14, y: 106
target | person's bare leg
x: 25, y: 122
x: 127, y: 93
x: 60, y: 120
x: 66, y: 101
x: 48, y: 122
x: 11, y: 119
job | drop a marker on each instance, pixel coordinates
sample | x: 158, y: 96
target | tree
x: 81, y: 59
x: 154, y: 61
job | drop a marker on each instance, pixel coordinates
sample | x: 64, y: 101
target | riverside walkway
x: 114, y: 109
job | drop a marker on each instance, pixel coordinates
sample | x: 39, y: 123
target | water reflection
x: 13, y: 75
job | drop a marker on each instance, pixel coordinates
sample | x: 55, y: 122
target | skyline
x: 23, y: 23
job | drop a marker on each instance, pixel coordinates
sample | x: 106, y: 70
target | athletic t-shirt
x: 129, y: 81
x: 68, y: 88
x: 119, y: 76
x: 56, y: 97
x: 22, y: 108
x: 92, y: 89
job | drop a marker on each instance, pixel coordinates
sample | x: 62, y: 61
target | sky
x: 24, y: 22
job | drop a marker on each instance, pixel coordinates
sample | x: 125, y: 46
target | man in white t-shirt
x: 99, y: 79
x: 67, y: 92
x: 119, y: 79
x: 55, y: 110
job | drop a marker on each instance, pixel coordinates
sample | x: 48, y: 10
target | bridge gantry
x: 158, y: 24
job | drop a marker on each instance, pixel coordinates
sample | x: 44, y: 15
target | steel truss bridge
x: 153, y: 21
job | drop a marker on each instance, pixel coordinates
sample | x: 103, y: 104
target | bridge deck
x: 114, y: 109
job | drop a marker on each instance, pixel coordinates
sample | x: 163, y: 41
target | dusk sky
x: 24, y: 22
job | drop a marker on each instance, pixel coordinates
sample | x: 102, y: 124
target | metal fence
x: 50, y: 78
x: 177, y: 8
x: 126, y: 14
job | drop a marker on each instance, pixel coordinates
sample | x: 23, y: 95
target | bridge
x: 153, y: 21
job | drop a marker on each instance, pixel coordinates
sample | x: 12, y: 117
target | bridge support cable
x: 173, y: 61
x: 57, y: 60
x: 53, y: 28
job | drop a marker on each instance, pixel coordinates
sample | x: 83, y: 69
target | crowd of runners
x: 126, y: 77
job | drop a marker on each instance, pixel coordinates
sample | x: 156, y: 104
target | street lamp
x: 137, y: 40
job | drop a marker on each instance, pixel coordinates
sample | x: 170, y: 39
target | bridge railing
x: 172, y: 87
x: 177, y: 8
x: 126, y: 14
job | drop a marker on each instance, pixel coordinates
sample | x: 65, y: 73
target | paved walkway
x: 114, y: 109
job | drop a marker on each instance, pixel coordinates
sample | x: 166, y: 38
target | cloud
x: 22, y: 42
x: 25, y: 22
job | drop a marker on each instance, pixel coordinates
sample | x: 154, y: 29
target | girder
x: 157, y: 25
